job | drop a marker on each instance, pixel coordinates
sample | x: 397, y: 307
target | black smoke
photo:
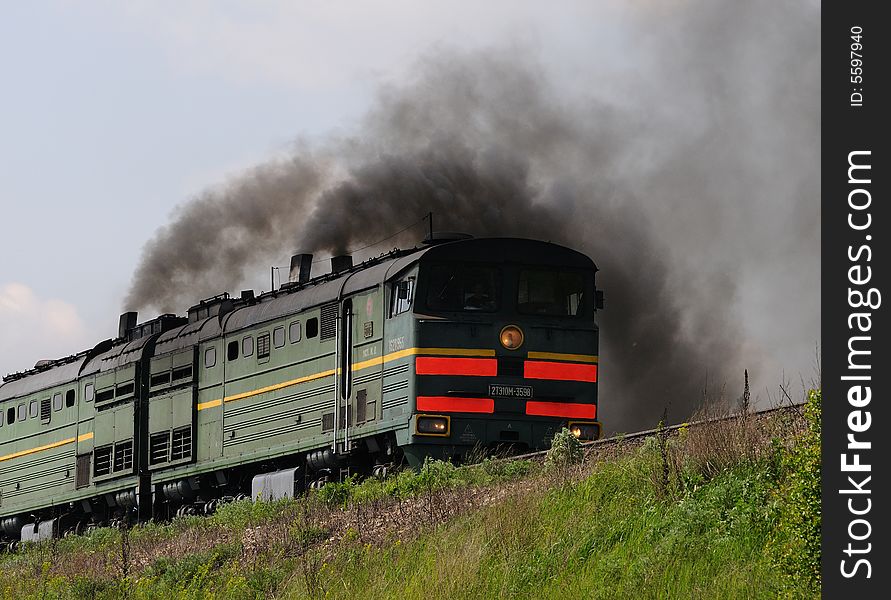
x: 700, y: 184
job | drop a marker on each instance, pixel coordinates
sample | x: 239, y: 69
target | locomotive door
x: 343, y: 384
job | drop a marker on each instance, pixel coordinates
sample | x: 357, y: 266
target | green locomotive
x: 436, y: 351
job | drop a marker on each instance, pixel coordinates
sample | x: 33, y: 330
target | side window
x: 232, y: 351
x: 57, y: 401
x: 278, y: 337
x: 10, y: 415
x: 89, y: 392
x: 403, y: 292
x: 69, y: 398
x: 1, y: 417
x: 294, y: 332
x: 33, y: 409
x: 23, y: 412
x: 263, y: 345
x: 312, y: 328
x: 210, y: 357
x: 247, y: 346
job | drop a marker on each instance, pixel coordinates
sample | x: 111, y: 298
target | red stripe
x: 435, y: 365
x: 452, y: 404
x: 561, y: 409
x: 556, y: 370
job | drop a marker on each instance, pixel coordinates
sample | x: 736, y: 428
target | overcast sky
x: 114, y: 113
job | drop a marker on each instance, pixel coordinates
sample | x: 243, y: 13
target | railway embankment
x: 727, y: 507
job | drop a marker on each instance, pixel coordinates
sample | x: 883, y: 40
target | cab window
x: 462, y: 288
x: 550, y: 292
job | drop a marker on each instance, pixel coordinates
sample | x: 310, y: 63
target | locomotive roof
x: 330, y: 288
x: 116, y: 356
x: 42, y: 379
x: 289, y: 300
x: 510, y: 250
x: 277, y: 304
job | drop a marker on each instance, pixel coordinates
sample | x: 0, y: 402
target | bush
x: 436, y: 474
x: 796, y: 543
x: 337, y: 493
x: 566, y: 450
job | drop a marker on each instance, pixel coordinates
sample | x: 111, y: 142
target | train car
x: 454, y: 348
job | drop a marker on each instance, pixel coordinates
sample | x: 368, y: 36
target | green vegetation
x: 434, y: 476
x: 565, y: 450
x: 729, y: 510
x: 608, y: 536
x: 797, y: 543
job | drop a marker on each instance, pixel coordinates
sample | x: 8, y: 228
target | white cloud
x: 34, y: 328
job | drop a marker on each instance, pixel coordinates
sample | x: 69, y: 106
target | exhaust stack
x: 341, y: 263
x: 301, y: 267
x: 126, y: 323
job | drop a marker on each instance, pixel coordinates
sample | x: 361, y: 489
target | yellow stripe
x: 211, y: 404
x: 372, y: 362
x: 443, y: 351
x: 277, y: 386
x: 81, y: 438
x: 355, y: 367
x: 38, y: 449
x: 429, y: 351
x: 556, y: 356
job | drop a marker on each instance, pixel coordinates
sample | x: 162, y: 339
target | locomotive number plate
x: 510, y: 391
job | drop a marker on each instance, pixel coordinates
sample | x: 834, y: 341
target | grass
x: 696, y: 515
x: 607, y: 535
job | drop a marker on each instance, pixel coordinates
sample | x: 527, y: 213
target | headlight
x: 511, y: 337
x: 585, y: 431
x: 429, y: 425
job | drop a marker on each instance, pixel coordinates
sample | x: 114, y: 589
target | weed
x: 566, y: 450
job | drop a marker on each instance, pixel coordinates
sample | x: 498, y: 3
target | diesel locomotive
x: 437, y: 351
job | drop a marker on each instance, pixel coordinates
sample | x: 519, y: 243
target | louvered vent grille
x: 329, y: 321
x: 46, y: 409
x: 102, y: 461
x: 182, y: 443
x: 123, y: 456
x: 159, y: 447
x: 263, y: 345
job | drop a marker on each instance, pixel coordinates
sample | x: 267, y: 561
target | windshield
x: 462, y: 288
x: 555, y: 293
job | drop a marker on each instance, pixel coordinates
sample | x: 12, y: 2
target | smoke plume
x: 696, y: 194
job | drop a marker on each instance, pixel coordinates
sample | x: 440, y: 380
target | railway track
x: 668, y: 429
